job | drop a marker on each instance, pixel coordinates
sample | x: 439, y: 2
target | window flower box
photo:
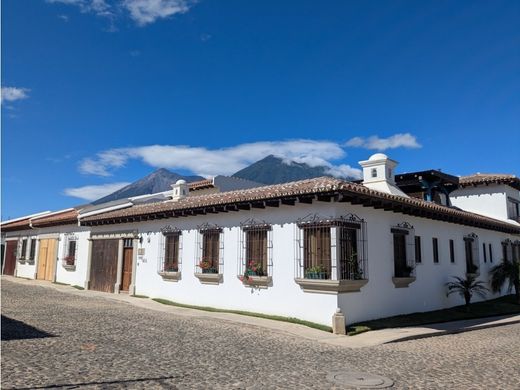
x: 209, y: 278
x: 170, y: 275
x: 402, y: 282
x: 316, y: 272
x: 327, y: 286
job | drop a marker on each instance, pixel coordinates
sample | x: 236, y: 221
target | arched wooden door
x: 47, y: 259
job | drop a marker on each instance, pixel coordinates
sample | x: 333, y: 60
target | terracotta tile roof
x: 65, y: 217
x: 490, y: 178
x: 62, y: 218
x: 198, y: 185
x: 321, y: 187
x: 21, y: 224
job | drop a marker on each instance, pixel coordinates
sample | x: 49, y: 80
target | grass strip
x: 78, y: 287
x: 248, y: 313
x: 61, y: 284
x: 139, y: 296
x: 495, y: 307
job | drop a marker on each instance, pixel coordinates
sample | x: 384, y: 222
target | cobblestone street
x: 70, y: 341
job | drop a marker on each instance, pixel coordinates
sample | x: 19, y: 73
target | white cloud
x: 142, y: 12
x: 94, y: 192
x: 65, y: 18
x: 148, y: 11
x: 10, y: 94
x: 402, y: 140
x: 223, y: 161
x: 98, y: 7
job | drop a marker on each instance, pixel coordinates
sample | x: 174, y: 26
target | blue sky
x: 98, y: 93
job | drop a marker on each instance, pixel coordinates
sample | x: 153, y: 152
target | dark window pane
x: 210, y: 248
x: 418, y: 252
x: 256, y: 251
x: 32, y: 249
x: 316, y: 250
x: 400, y: 266
x: 435, y: 243
x: 349, y: 259
x: 171, y: 255
x: 452, y: 251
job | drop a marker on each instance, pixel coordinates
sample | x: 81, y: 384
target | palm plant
x: 466, y: 288
x: 507, y: 270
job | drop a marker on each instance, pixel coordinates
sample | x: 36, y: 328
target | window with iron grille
x: 210, y: 249
x: 170, y: 245
x: 452, y: 251
x: 513, y: 209
x: 70, y: 248
x: 331, y: 248
x: 23, y: 249
x: 435, y: 245
x: 255, y: 249
x: 471, y: 251
x: 418, y: 252
x: 404, y: 249
x: 507, y: 250
x: 516, y: 250
x: 32, y: 249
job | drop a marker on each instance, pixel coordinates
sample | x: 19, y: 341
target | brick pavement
x: 89, y: 342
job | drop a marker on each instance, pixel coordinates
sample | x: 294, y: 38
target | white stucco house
x: 381, y: 247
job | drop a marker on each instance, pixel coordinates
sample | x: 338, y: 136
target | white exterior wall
x: 74, y: 277
x: 284, y: 297
x: 378, y: 298
x: 29, y: 269
x: 488, y: 200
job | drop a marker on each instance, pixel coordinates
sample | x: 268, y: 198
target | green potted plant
x: 316, y: 272
x: 353, y: 268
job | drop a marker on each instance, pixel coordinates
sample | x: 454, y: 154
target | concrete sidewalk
x: 368, y: 339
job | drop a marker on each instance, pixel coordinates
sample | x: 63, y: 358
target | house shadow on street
x: 18, y: 330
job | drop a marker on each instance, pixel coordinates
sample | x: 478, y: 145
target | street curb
x: 453, y: 331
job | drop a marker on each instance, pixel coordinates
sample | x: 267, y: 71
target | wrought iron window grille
x: 170, y: 249
x: 333, y: 248
x: 471, y: 248
x: 404, y: 250
x: 255, y: 249
x: 209, y: 249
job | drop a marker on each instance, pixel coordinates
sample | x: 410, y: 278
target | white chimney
x: 378, y: 174
x: 180, y: 190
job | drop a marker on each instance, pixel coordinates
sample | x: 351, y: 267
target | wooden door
x: 47, y: 259
x: 10, y: 257
x: 126, y: 277
x: 103, y: 265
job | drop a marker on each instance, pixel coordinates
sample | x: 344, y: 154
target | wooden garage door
x: 10, y: 257
x: 103, y: 265
x: 47, y: 259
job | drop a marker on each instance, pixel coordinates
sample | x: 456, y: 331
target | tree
x: 508, y: 270
x: 466, y: 288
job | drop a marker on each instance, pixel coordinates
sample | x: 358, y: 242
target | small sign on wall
x: 140, y: 251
